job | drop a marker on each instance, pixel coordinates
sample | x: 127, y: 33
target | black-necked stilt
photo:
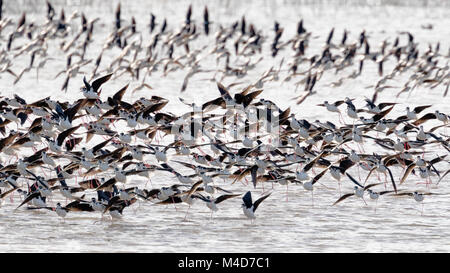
x: 309, y: 185
x: 92, y: 91
x: 211, y: 203
x: 61, y: 211
x: 375, y: 195
x: 248, y: 207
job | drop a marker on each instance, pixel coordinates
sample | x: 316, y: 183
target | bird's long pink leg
x: 185, y: 216
x: 364, y: 201
x: 203, y: 153
x: 174, y: 204
x: 359, y: 175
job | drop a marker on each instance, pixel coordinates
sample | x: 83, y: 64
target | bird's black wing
x: 224, y: 92
x: 354, y: 180
x: 317, y: 177
x: 98, y: 82
x: 248, y: 200
x: 225, y: 197
x: 65, y: 134
x: 392, y: 179
x: 257, y: 202
x: 343, y: 197
x: 29, y: 198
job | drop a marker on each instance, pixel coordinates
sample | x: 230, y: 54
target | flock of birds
x: 238, y: 137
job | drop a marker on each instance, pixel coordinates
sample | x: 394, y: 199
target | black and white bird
x: 61, y: 211
x: 92, y: 91
x: 248, y: 207
x: 211, y: 203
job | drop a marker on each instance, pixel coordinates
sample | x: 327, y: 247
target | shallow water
x: 286, y: 222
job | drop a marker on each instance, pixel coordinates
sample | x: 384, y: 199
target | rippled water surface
x: 287, y: 221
